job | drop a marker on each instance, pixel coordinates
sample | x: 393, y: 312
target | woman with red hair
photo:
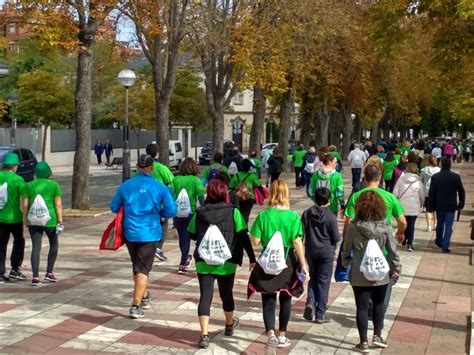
x: 217, y: 211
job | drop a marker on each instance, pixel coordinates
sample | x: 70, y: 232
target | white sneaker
x: 272, y: 345
x: 428, y: 229
x: 283, y: 342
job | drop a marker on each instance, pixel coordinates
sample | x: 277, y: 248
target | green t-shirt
x: 12, y: 212
x: 397, y: 157
x: 405, y: 150
x: 227, y: 268
x: 298, y: 156
x: 394, y: 208
x: 191, y: 184
x: 334, y: 182
x: 256, y: 162
x: 162, y: 173
x: 217, y: 166
x: 335, y: 153
x: 388, y: 168
x: 272, y: 220
x: 49, y: 190
x: 250, y: 179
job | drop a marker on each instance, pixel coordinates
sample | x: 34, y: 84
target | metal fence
x: 31, y: 138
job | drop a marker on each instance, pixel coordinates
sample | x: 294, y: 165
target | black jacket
x: 445, y: 187
x: 275, y: 164
x: 321, y: 233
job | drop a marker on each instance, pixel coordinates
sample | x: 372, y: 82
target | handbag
x: 341, y: 274
x: 259, y: 197
x: 112, y: 238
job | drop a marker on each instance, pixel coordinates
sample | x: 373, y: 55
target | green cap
x: 43, y: 170
x: 11, y: 159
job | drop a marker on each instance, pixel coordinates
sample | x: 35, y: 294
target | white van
x: 176, y: 154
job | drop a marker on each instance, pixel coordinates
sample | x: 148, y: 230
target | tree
x: 44, y: 96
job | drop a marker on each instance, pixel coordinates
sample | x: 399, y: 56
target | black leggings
x: 275, y: 176
x: 36, y: 234
x: 362, y: 296
x: 206, y: 288
x: 18, y: 249
x: 269, y: 307
x: 245, y: 207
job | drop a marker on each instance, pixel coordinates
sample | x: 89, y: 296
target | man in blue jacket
x: 145, y: 201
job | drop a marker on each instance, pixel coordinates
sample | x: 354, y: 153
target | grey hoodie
x: 358, y: 235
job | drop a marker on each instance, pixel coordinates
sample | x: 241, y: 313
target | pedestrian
x: 12, y: 188
x: 145, y: 201
x: 187, y: 185
x: 98, y: 150
x: 298, y: 160
x: 414, y: 157
x: 411, y: 193
x: 278, y: 218
x: 431, y: 168
x: 256, y: 163
x: 400, y: 169
x: 49, y: 191
x: 459, y: 152
x: 321, y: 235
x: 437, y: 153
x: 357, y: 160
x: 225, y: 178
x: 328, y: 177
x: 448, y: 151
x: 243, y: 183
x: 389, y: 165
x: 267, y: 153
x: 445, y: 196
x: 397, y: 154
x: 162, y: 174
x: 370, y: 224
x: 213, y: 169
x: 234, y: 162
x: 109, y: 150
x: 381, y: 152
x: 332, y: 150
x: 466, y: 147
x: 275, y: 165
x: 406, y: 147
x: 310, y: 162
x: 230, y: 222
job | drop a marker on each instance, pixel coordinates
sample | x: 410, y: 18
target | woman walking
x: 43, y: 192
x: 411, y: 194
x: 231, y: 224
x: 278, y: 218
x: 426, y: 173
x: 275, y: 165
x: 311, y: 161
x: 389, y: 165
x: 369, y: 224
x: 187, y: 185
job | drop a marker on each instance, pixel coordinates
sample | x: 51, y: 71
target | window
x: 239, y: 98
x: 26, y: 154
x: 178, y: 148
x: 12, y: 28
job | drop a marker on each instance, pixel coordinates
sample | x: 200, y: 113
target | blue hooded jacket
x: 145, y: 201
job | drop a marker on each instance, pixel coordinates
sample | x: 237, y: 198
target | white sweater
x: 356, y: 158
x: 411, y: 193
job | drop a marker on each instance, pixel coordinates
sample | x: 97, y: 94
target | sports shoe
x: 204, y: 341
x: 18, y: 275
x: 362, y: 348
x: 410, y: 248
x: 4, y: 278
x: 136, y: 312
x: 283, y: 342
x: 446, y: 250
x: 428, y: 229
x: 308, y: 312
x: 188, y: 261
x: 229, y: 329
x: 35, y: 281
x: 379, y: 342
x: 50, y: 277
x: 437, y: 243
x: 183, y: 270
x: 146, y: 302
x: 160, y: 255
x: 322, y: 320
x: 272, y: 345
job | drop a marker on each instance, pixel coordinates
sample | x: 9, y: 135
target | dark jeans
x: 164, y: 234
x: 181, y: 224
x: 444, y: 228
x: 410, y: 231
x: 245, y: 207
x: 269, y: 307
x: 320, y: 271
x: 107, y: 156
x: 356, y: 173
x: 362, y: 297
x: 18, y: 250
x: 389, y: 185
x: 299, y: 178
x: 36, y: 234
x: 206, y: 288
x: 467, y: 156
x: 307, y: 180
x: 274, y: 177
x: 99, y: 159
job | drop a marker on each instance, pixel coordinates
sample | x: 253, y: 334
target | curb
x: 85, y: 214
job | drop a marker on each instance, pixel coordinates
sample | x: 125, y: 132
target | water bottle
x: 59, y: 229
x: 302, y: 276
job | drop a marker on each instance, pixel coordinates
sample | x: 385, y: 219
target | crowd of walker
x: 389, y: 181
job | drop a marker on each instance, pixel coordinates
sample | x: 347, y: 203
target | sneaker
x: 35, y: 281
x: 272, y: 345
x: 204, y: 341
x: 362, y: 348
x: 437, y: 243
x: 322, y: 320
x: 182, y: 270
x: 18, y: 275
x: 188, y: 261
x: 308, y: 312
x: 4, y: 278
x: 50, y: 277
x: 146, y: 302
x: 283, y: 342
x: 136, y: 312
x: 410, y: 248
x: 160, y: 255
x: 428, y: 229
x: 229, y: 329
x: 379, y: 342
x: 446, y: 250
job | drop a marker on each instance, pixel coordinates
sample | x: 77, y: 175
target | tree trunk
x: 334, y: 131
x: 286, y: 110
x: 217, y: 116
x: 306, y: 128
x: 358, y: 130
x: 403, y: 133
x: 259, y: 109
x: 45, y: 139
x: 162, y: 102
x: 347, y: 131
x: 374, y: 133
x: 323, y: 127
x: 83, y: 99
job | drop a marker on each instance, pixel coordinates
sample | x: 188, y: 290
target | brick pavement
x: 86, y: 311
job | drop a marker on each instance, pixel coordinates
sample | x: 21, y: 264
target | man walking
x: 12, y: 187
x: 109, y: 150
x: 145, y: 201
x: 298, y: 156
x: 357, y: 159
x: 445, y: 188
x: 98, y: 150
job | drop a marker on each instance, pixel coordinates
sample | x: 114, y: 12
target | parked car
x: 176, y: 154
x: 28, y: 161
x: 268, y: 146
x: 206, y: 151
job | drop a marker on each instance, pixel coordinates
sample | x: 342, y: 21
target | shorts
x: 142, y: 256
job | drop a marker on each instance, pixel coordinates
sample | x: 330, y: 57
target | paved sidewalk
x: 86, y: 311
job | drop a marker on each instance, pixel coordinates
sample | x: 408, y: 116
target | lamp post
x: 13, y: 101
x: 270, y: 120
x: 126, y: 78
x: 460, y: 131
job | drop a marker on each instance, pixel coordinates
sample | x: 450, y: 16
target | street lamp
x: 460, y: 131
x: 270, y: 121
x: 126, y: 78
x: 13, y: 101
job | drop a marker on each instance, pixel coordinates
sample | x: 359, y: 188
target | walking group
x: 213, y: 210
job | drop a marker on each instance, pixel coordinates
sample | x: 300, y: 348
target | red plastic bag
x: 113, y: 238
x: 259, y: 198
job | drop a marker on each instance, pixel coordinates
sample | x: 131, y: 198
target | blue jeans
x: 307, y: 180
x: 444, y: 228
x: 181, y: 224
x: 320, y: 271
x: 356, y: 172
